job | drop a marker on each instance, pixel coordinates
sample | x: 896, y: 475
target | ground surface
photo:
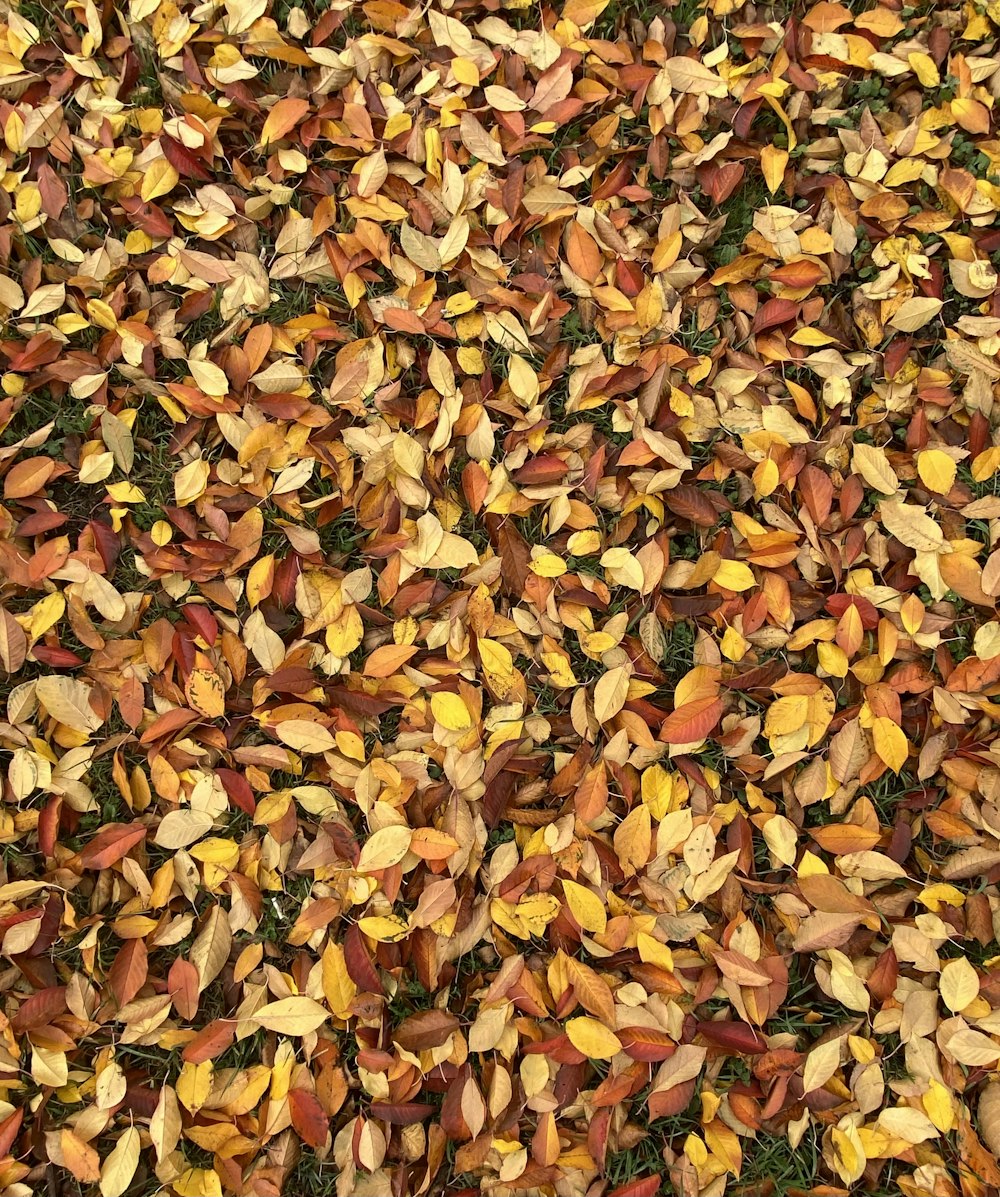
x: 498, y: 636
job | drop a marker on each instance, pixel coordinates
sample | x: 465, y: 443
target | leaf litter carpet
x: 498, y: 598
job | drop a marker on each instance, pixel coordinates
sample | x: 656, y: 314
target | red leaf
x: 128, y: 973
x: 404, y: 1113
x: 516, y: 556
x: 597, y: 1135
x: 720, y: 180
x: 238, y: 790
x: 308, y: 1117
x: 734, y: 1036
x: 773, y: 313
x: 360, y: 968
x: 642, y: 1186
x: 149, y: 218
x: 670, y: 1102
x: 9, y: 1128
x: 692, y: 504
x: 203, y: 621
x: 424, y: 1030
x: 183, y: 161
x: 112, y: 844
x: 837, y: 604
x: 39, y: 1009
x: 56, y: 658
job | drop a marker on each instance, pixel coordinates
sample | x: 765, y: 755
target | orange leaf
x: 691, y: 722
x: 282, y: 119
x: 388, y: 659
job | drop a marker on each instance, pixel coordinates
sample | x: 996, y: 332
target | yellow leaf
x: 548, y: 565
x: 498, y: 666
x: 198, y: 1182
x: 120, y: 1167
x: 812, y: 337
x: 765, y: 478
x: 67, y: 699
x: 610, y: 693
x: 773, y: 162
x: 873, y: 465
x: 734, y: 575
x: 210, y: 378
x: 939, y: 1106
x: 833, y: 659
x: 291, y: 1016
x: 581, y: 12
x: 911, y: 526
x: 102, y: 314
x: 786, y: 715
x: 536, y: 911
x: 338, y: 987
x: 936, y: 469
x: 915, y: 313
x: 848, y: 1156
x: 925, y: 69
x: 633, y: 839
x: 907, y: 1123
x: 986, y: 464
x: 165, y: 1124
x: 160, y: 178
x: 383, y: 928
x: 781, y: 837
x: 450, y: 711
x: 46, y: 613
x: 959, y: 984
x: 304, y: 736
x: 345, y: 633
x: 845, y: 984
x: 593, y: 1038
x: 651, y: 951
x: 934, y: 896
x: 194, y: 1085
x: 529, y: 917
x: 384, y: 848
x: 890, y: 742
x: 585, y: 906
x: 657, y: 791
x: 465, y: 71
x: 725, y: 1145
x: 821, y: 1063
x: 190, y: 481
x: 218, y: 851
x: 782, y: 116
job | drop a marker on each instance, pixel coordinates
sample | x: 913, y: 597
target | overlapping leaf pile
x: 498, y: 598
